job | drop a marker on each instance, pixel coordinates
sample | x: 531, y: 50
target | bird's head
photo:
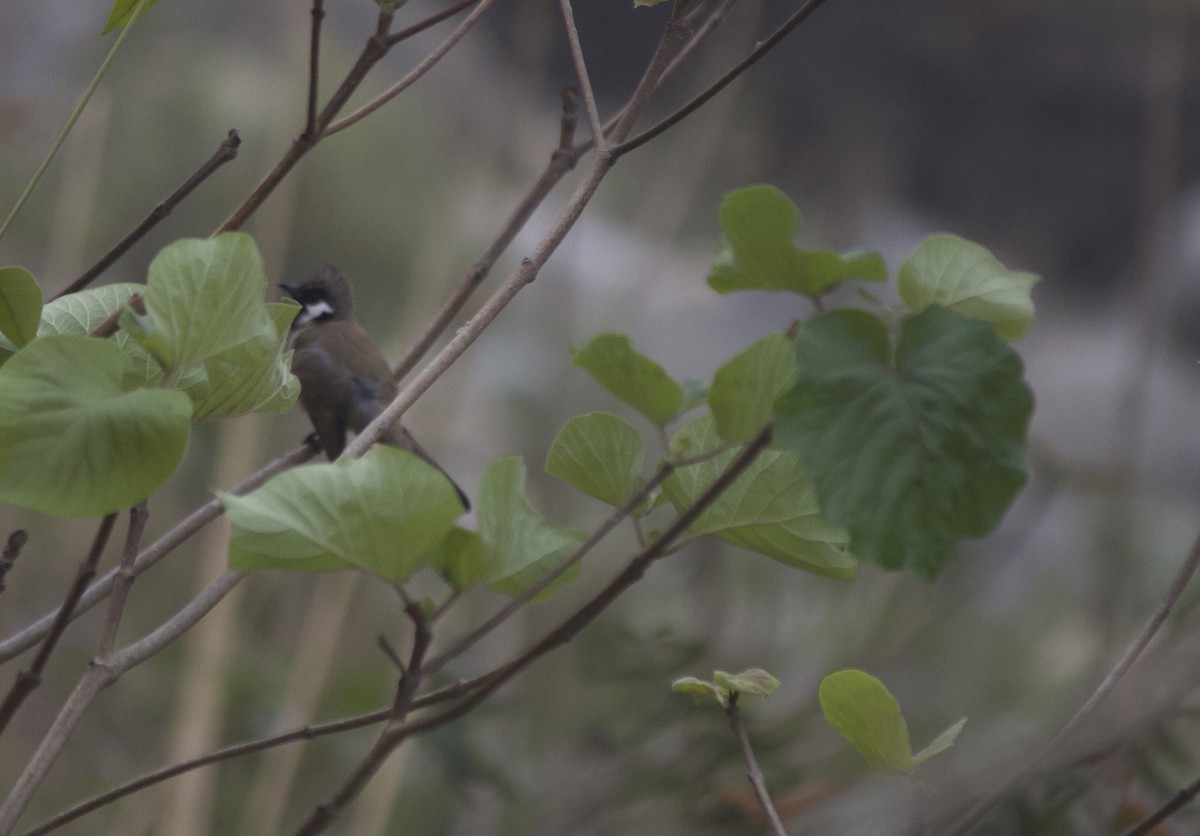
x: 325, y: 298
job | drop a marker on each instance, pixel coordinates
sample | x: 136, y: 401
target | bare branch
x: 425, y: 65
x: 752, y: 771
x: 720, y: 84
x: 12, y: 550
x: 202, y: 516
x: 585, y: 83
x: 123, y: 580
x: 226, y: 152
x: 314, y: 67
x: 28, y: 680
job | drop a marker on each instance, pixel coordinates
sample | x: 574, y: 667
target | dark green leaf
x: 913, y: 448
x: 73, y: 440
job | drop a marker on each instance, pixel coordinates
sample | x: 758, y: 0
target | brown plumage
x: 345, y: 382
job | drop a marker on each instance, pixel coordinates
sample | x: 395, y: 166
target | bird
x: 345, y: 382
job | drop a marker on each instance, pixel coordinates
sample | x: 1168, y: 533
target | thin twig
x: 72, y: 119
x: 755, y: 54
x: 1106, y: 686
x: 432, y: 20
x: 29, y: 635
x: 314, y: 67
x: 12, y: 550
x: 614, y: 519
x: 28, y: 680
x: 103, y: 672
x: 530, y: 266
x: 388, y: 739
x: 1181, y: 799
x: 752, y: 771
x: 374, y: 49
x: 425, y: 65
x: 585, y: 83
x: 123, y: 580
x: 561, y: 161
x: 227, y: 150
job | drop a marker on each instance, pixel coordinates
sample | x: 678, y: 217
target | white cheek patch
x: 314, y: 311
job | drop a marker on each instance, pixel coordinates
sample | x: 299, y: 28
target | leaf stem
x: 72, y: 119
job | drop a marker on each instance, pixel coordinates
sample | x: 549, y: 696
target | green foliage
x: 632, y: 377
x: 387, y: 513
x: 949, y: 271
x: 752, y: 682
x: 911, y: 446
x: 743, y: 392
x: 75, y: 439
x: 771, y: 508
x: 598, y: 454
x: 123, y: 11
x: 518, y: 545
x: 756, y: 251
x: 864, y: 712
x: 20, y: 305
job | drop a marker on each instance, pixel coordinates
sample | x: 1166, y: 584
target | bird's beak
x: 290, y: 289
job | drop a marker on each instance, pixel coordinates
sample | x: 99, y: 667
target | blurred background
x: 1064, y: 136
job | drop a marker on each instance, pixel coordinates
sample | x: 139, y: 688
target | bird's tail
x: 402, y: 438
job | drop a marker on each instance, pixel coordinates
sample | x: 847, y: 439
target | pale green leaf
x: 756, y: 251
x: 73, y: 440
x: 963, y: 276
x: 771, y: 508
x: 122, y: 11
x: 864, y: 712
x: 634, y: 378
x: 20, y: 305
x: 701, y: 690
x: 386, y: 512
x: 752, y: 682
x: 940, y: 743
x: 743, y: 392
x: 517, y: 543
x: 203, y: 297
x: 600, y: 455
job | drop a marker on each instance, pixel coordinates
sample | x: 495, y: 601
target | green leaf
x: 203, y: 297
x: 864, y: 712
x: 757, y: 252
x: 770, y: 509
x: 517, y: 543
x: 940, y: 743
x: 910, y: 448
x: 20, y: 305
x: 752, y: 682
x: 253, y: 375
x: 632, y: 377
x: 459, y: 558
x: 599, y: 454
x: 122, y: 11
x: 386, y: 512
x: 73, y: 440
x: 964, y: 277
x: 743, y: 392
x: 701, y: 690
